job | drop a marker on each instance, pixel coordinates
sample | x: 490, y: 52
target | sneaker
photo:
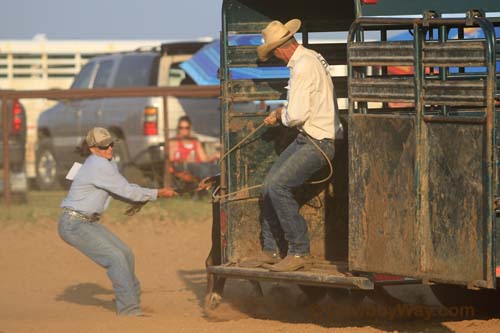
x: 289, y: 264
x: 263, y: 258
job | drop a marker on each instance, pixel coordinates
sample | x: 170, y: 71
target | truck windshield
x: 82, y: 81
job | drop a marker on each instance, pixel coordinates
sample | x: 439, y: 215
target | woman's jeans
x: 108, y: 251
x: 296, y: 164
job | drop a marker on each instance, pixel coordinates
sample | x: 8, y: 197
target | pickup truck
x: 136, y: 121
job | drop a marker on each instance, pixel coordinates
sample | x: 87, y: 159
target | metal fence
x: 75, y: 94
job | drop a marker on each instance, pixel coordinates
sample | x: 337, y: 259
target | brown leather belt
x: 91, y: 219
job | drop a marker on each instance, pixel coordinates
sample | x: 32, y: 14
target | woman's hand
x: 166, y: 192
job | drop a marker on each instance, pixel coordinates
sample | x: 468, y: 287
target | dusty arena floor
x: 47, y: 286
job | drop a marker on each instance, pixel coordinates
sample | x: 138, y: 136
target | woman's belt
x: 93, y: 218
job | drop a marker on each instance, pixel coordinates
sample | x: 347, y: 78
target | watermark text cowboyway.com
x: 399, y: 311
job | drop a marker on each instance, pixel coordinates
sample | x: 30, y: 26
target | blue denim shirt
x: 94, y: 184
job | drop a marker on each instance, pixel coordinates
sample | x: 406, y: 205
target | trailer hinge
x: 472, y: 14
x: 428, y: 16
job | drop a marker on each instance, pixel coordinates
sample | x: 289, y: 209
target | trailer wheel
x: 483, y: 302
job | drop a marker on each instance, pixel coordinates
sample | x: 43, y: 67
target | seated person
x: 187, y: 153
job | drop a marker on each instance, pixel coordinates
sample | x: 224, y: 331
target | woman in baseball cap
x: 94, y: 185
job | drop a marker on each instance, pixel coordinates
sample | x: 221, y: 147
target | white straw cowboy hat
x: 275, y: 35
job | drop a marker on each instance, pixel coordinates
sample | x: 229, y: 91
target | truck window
x: 82, y: 81
x: 175, y: 77
x: 179, y: 77
x: 103, y: 73
x: 136, y: 71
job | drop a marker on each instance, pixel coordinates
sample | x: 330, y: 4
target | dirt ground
x: 47, y: 286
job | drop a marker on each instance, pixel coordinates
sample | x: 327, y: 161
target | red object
x: 386, y: 277
x: 370, y: 2
x: 17, y: 117
x: 150, y: 128
x: 187, y: 151
x: 150, y: 121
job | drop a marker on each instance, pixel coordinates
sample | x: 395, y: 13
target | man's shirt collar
x: 296, y: 55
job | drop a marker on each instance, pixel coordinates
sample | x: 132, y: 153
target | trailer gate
x: 422, y: 164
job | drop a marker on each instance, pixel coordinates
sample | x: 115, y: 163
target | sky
x: 110, y: 19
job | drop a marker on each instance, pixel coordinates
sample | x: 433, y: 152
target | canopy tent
x: 204, y: 65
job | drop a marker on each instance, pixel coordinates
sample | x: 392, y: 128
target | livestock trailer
x: 414, y: 194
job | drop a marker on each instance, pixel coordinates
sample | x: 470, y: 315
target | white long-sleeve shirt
x: 310, y: 106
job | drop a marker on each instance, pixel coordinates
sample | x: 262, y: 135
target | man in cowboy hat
x: 311, y: 108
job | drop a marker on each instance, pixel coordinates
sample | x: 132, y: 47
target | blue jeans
x: 296, y: 164
x: 108, y: 251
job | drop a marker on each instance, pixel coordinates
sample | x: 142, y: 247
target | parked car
x: 137, y: 121
x: 17, y: 148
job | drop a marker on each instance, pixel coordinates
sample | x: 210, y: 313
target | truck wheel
x: 46, y: 167
x: 484, y: 302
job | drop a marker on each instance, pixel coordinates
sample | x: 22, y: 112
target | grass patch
x: 44, y: 206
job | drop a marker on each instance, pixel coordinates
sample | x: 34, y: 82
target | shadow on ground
x: 287, y: 304
x: 87, y: 294
x: 196, y: 281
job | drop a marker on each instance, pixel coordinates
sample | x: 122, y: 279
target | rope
x: 216, y: 197
x: 242, y: 141
x: 330, y: 165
